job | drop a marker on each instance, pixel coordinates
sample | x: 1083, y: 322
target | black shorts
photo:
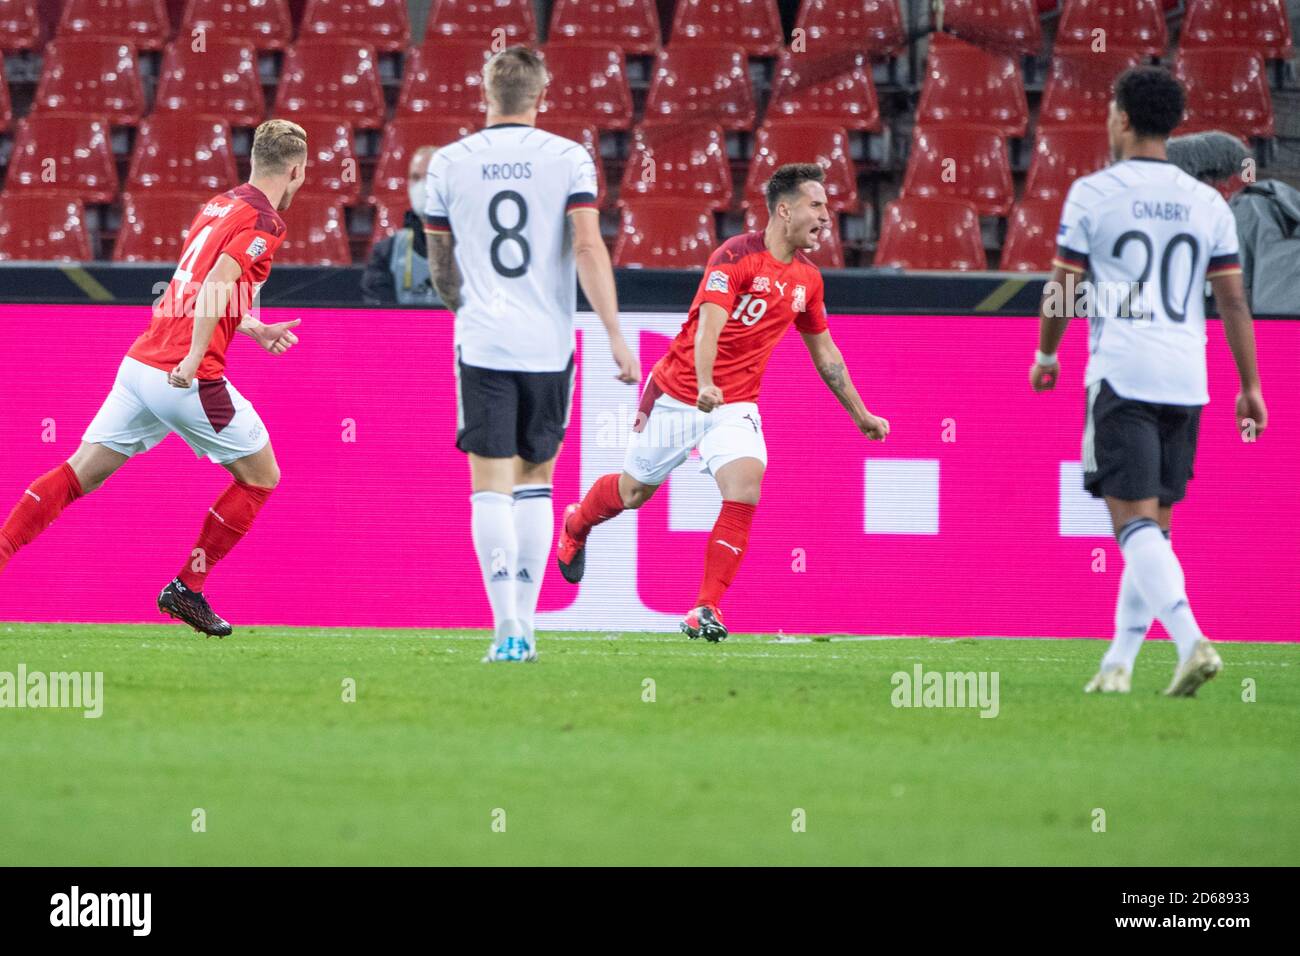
x: 1134, y: 450
x: 500, y: 414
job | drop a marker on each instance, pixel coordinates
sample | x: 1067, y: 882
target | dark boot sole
x: 166, y: 608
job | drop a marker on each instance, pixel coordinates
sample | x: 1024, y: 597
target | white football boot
x: 1195, y: 671
x: 517, y: 644
x: 1114, y: 679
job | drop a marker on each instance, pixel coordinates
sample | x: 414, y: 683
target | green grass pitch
x: 742, y: 742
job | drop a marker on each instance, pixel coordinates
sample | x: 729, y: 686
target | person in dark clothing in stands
x: 398, y: 270
x: 1267, y: 214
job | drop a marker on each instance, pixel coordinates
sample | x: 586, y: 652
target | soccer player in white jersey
x: 511, y: 214
x: 1149, y: 235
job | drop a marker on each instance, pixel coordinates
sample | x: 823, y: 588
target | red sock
x: 601, y: 503
x: 37, y: 509
x: 228, y: 520
x: 727, y: 544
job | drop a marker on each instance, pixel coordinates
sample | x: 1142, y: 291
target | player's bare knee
x: 266, y: 476
x: 634, y: 493
x: 93, y: 465
x: 534, y: 473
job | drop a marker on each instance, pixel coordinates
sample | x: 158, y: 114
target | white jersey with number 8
x: 504, y: 194
x: 1150, y: 235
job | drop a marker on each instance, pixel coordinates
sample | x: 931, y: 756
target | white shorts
x: 143, y: 409
x: 672, y: 428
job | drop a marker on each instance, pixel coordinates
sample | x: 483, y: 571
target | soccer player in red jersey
x: 173, y: 377
x: 703, y: 393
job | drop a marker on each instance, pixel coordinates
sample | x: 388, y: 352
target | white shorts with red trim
x: 142, y: 409
x: 667, y: 429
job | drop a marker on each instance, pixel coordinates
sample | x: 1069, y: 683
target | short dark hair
x: 1152, y: 98
x: 786, y: 181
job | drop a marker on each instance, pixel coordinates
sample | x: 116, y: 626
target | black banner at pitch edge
x: 848, y: 291
x: 1223, y: 907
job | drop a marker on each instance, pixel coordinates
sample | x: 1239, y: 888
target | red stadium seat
x: 387, y: 218
x: 1127, y: 24
x: 588, y: 136
x: 631, y: 25
x: 930, y: 234
x: 833, y: 88
x: 664, y: 234
x: 1031, y: 236
x: 40, y: 226
x: 588, y: 82
x: 381, y: 24
x: 708, y: 83
x: 444, y: 80
x: 686, y: 162
x: 874, y: 27
x: 828, y: 255
x: 753, y: 24
x: 480, y: 19
x: 331, y: 160
x: 264, y: 23
x: 20, y: 27
x: 965, y: 84
x: 402, y: 137
x: 180, y: 152
x: 67, y: 154
x: 960, y: 162
x: 1061, y: 155
x: 331, y: 79
x: 84, y: 75
x: 1226, y: 89
x: 1007, y: 26
x: 1260, y: 25
x: 316, y: 233
x: 1080, y: 86
x: 787, y: 142
x: 142, y: 22
x: 6, y: 109
x: 221, y: 80
x: 155, y: 224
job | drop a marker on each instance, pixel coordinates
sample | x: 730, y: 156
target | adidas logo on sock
x: 503, y: 573
x: 523, y: 575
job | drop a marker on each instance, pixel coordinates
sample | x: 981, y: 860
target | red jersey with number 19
x: 241, y: 224
x: 762, y: 296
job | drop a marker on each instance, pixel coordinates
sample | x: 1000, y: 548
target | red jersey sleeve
x: 812, y: 320
x: 725, y: 276
x: 251, y: 245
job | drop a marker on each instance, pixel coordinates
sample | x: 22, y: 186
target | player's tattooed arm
x: 442, y: 268
x: 596, y: 277
x: 830, y: 366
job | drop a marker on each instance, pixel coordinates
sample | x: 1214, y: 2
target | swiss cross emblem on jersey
x: 799, y: 300
x: 761, y: 284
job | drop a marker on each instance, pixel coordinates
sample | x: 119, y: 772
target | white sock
x: 492, y: 525
x: 1159, y: 579
x: 1132, y: 621
x: 535, y: 528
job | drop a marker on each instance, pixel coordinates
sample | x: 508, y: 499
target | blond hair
x: 277, y: 144
x: 513, y: 79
